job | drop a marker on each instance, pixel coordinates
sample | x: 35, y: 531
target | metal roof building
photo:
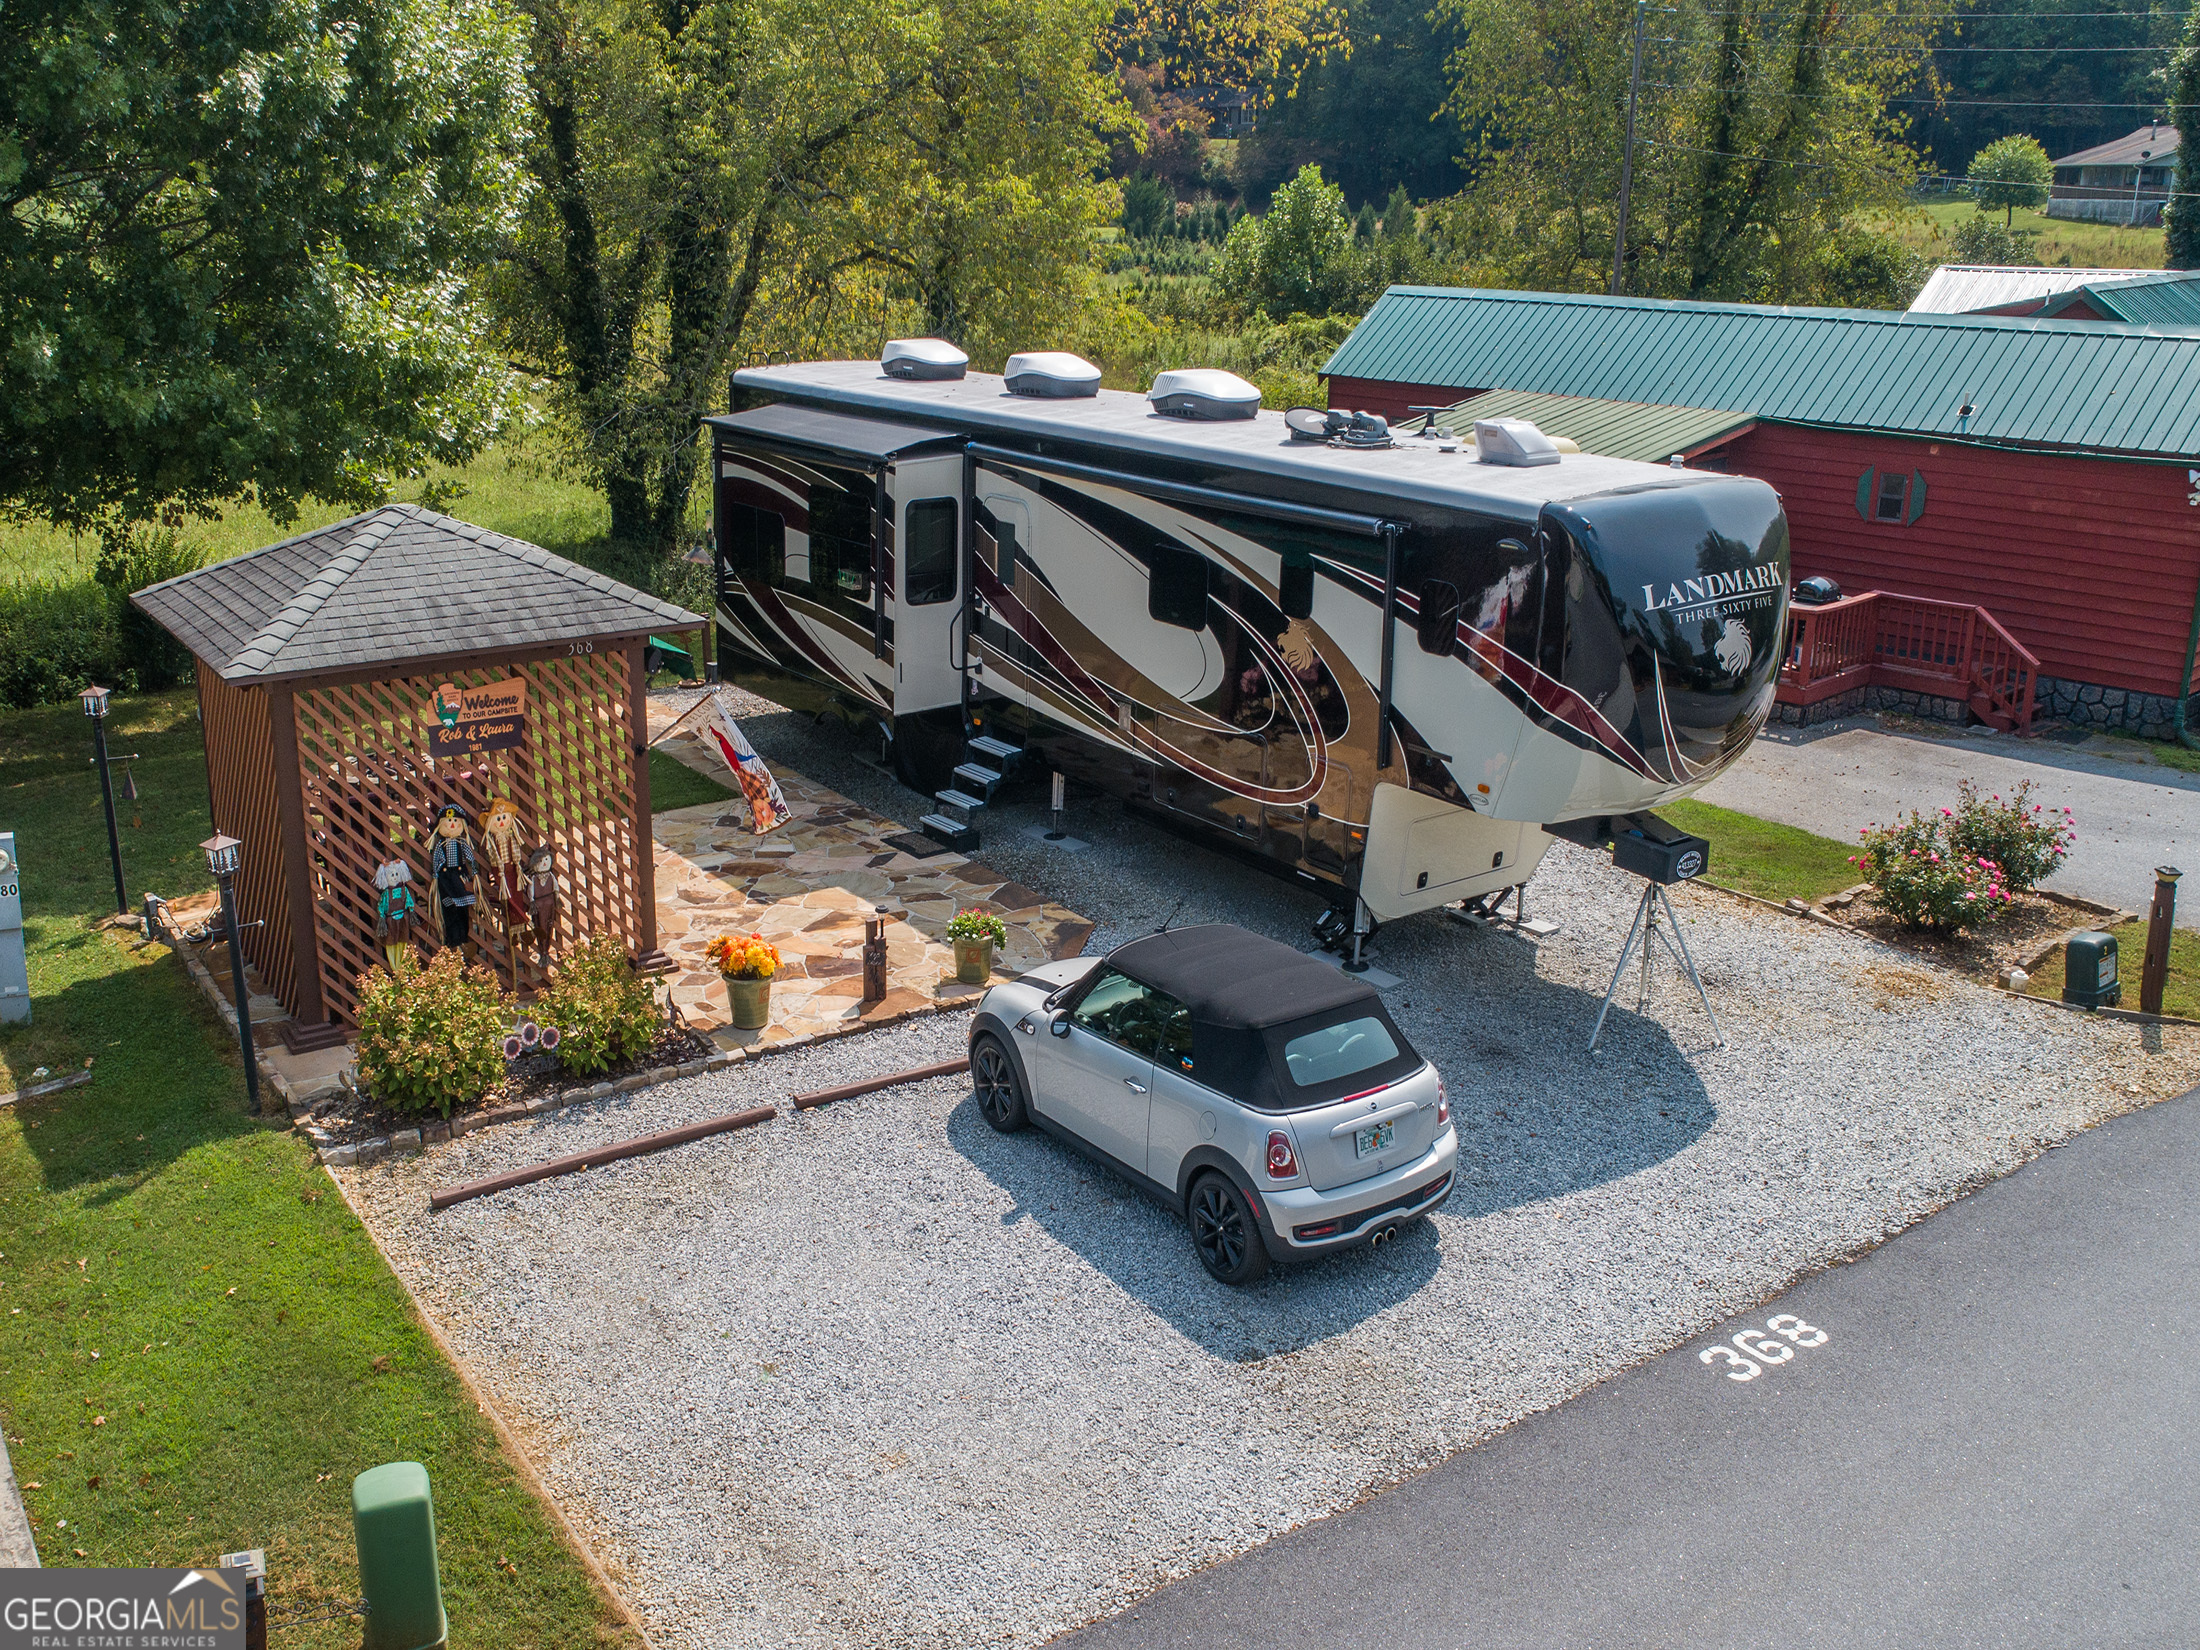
x: 2140, y: 297
x: 1610, y: 429
x: 2065, y: 385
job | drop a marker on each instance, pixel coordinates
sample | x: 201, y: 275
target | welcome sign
x: 463, y: 720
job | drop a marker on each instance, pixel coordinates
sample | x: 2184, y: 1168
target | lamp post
x: 95, y: 706
x: 224, y: 854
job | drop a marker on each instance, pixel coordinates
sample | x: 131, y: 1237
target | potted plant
x: 747, y: 963
x: 974, y: 934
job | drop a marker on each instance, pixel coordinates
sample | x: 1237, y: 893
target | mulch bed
x: 2010, y: 940
x: 352, y: 1117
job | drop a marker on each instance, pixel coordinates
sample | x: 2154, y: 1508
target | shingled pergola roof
x: 395, y: 584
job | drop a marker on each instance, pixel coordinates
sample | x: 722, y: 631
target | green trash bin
x: 393, y: 1517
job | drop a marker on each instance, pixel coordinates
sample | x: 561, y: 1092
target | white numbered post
x: 15, y: 976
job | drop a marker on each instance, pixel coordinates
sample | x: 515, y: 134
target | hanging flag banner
x: 767, y: 807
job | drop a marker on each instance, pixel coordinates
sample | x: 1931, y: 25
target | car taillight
x: 1283, y: 1163
x: 1443, y: 1103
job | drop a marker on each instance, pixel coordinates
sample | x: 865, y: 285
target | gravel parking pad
x: 876, y: 1376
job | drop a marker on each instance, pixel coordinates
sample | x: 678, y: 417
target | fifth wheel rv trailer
x: 1394, y: 668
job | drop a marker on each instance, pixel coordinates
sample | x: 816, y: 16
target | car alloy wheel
x: 1223, y: 1232
x: 993, y: 1079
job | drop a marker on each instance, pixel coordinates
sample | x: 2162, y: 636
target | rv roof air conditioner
x: 1051, y: 374
x: 1207, y: 394
x: 1513, y: 441
x: 926, y: 358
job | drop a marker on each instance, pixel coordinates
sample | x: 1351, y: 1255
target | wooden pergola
x: 327, y: 666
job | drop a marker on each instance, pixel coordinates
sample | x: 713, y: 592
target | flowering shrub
x: 1925, y: 881
x: 604, y: 1011
x: 433, y: 1039
x: 977, y: 925
x: 743, y: 956
x: 2025, y: 841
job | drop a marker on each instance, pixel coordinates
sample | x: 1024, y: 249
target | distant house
x: 2136, y: 297
x: 2126, y: 181
x: 2045, y: 470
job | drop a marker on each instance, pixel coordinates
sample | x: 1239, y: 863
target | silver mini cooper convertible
x: 1266, y: 1096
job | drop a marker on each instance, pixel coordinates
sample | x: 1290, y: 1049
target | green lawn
x: 2089, y: 245
x: 2180, y: 992
x: 673, y: 784
x: 201, y: 1346
x: 1775, y: 862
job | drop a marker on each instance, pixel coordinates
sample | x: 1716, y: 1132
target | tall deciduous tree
x: 2181, y: 217
x: 233, y: 244
x: 1246, y: 45
x: 2011, y: 172
x: 1765, y: 140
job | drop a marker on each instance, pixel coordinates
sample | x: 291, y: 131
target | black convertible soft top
x: 1237, y: 981
x: 1248, y: 997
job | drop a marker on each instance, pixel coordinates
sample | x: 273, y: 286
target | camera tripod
x: 1646, y: 928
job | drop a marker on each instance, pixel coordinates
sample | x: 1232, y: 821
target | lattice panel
x: 240, y: 776
x: 372, y: 791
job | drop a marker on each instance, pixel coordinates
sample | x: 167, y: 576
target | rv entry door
x: 927, y: 588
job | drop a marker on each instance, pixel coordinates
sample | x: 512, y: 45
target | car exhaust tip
x: 1386, y: 1234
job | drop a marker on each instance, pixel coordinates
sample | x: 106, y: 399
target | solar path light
x: 225, y: 857
x: 94, y: 700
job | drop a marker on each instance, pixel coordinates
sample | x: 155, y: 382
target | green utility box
x: 2089, y: 970
x: 393, y: 1516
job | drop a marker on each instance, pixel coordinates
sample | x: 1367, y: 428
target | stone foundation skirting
x: 2112, y: 710
x: 1872, y: 699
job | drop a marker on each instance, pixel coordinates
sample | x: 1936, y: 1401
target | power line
x: 1983, y: 51
x: 1936, y: 103
x: 1894, y: 177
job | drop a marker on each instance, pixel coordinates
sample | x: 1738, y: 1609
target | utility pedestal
x: 393, y: 1519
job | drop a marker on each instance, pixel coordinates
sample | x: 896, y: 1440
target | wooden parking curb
x: 640, y: 1146
x: 848, y: 1091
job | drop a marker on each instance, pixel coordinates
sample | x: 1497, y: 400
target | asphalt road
x: 1997, y: 1443
x: 1837, y: 778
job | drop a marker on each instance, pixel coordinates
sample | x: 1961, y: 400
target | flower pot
x: 973, y: 961
x: 751, y: 1002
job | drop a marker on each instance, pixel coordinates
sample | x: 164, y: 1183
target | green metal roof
x: 2151, y: 301
x: 1612, y: 429
x: 2080, y: 385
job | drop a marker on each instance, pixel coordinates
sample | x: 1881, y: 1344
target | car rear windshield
x: 1324, y: 1055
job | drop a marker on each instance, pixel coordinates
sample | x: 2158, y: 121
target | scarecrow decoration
x: 452, y: 866
x: 542, y: 901
x: 505, y: 851
x: 767, y: 807
x: 393, y: 914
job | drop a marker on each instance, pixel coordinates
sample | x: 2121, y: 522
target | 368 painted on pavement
x: 1761, y: 1349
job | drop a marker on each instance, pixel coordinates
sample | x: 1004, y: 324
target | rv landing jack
x: 1488, y: 911
x: 1645, y: 928
x: 1347, y: 936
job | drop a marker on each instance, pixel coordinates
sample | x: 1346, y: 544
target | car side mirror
x: 1059, y: 1025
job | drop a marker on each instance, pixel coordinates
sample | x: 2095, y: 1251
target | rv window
x: 1894, y: 493
x: 1297, y: 590
x: 840, y: 541
x: 1176, y: 590
x: 1439, y: 624
x: 754, y: 542
x: 931, y: 551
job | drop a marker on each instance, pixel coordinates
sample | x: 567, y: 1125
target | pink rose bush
x: 1963, y: 866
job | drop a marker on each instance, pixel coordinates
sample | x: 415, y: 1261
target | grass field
x: 1775, y: 862
x: 2089, y: 245
x: 2180, y: 992
x: 511, y: 489
x: 673, y: 784
x: 201, y: 1346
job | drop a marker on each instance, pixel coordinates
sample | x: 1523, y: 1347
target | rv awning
x: 868, y: 440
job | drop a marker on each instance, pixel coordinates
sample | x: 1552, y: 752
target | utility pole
x: 1627, y: 157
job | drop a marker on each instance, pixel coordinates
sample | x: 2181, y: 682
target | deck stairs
x: 985, y: 767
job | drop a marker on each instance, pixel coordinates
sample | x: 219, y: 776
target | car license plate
x: 1377, y: 1139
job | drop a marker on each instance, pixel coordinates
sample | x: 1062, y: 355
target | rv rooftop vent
x: 1052, y: 373
x: 1203, y: 393
x: 923, y: 358
x: 1513, y: 441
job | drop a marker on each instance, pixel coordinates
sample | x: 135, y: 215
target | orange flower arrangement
x: 743, y: 956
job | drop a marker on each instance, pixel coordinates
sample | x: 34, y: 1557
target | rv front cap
x: 1051, y: 373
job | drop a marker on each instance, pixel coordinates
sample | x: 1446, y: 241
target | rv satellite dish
x: 1205, y: 393
x: 1052, y: 374
x: 927, y: 358
x: 1513, y: 441
x: 1307, y: 424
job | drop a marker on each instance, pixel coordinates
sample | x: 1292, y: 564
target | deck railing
x: 1946, y: 650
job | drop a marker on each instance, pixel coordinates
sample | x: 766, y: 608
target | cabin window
x: 840, y: 544
x: 752, y: 541
x: 1439, y: 621
x: 1894, y: 495
x: 1176, y: 587
x: 931, y: 551
x: 1296, y: 590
